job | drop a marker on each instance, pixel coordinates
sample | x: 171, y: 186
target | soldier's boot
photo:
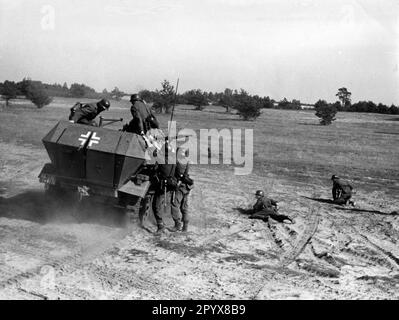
x: 287, y: 219
x: 185, y: 226
x: 178, y: 226
x: 161, y: 229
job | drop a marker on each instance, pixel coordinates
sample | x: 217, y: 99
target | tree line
x: 327, y: 111
x: 41, y: 93
x: 247, y: 106
x: 32, y: 90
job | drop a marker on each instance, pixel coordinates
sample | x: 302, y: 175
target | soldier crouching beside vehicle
x: 179, y: 202
x: 265, y: 208
x: 85, y: 113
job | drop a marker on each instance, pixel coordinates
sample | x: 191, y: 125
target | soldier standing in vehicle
x: 341, y: 191
x: 143, y: 119
x: 180, y: 195
x: 85, y: 113
x: 135, y: 125
x: 265, y: 208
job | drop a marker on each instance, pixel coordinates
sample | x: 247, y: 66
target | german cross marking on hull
x: 93, y: 139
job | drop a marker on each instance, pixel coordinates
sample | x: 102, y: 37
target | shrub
x: 158, y: 107
x: 36, y: 93
x: 147, y: 95
x: 247, y: 107
x: 196, y: 98
x: 267, y: 103
x: 81, y: 90
x: 166, y: 96
x: 326, y: 112
x: 285, y: 104
x: 117, y: 94
x: 394, y: 109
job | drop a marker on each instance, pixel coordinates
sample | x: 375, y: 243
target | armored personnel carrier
x: 104, y: 164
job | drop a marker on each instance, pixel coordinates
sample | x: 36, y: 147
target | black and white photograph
x: 218, y: 150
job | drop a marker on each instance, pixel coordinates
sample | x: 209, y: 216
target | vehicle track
x: 394, y: 261
x: 318, y: 269
x: 289, y: 256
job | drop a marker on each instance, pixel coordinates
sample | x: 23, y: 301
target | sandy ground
x: 330, y: 253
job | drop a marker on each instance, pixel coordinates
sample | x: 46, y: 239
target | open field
x: 353, y: 252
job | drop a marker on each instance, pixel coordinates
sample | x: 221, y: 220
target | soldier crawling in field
x: 265, y: 208
x: 84, y: 113
x: 341, y: 191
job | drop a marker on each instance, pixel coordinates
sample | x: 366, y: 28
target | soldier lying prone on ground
x: 265, y: 208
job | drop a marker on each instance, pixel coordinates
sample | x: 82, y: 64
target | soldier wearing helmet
x: 266, y: 207
x: 179, y: 203
x: 341, y: 191
x: 164, y: 187
x: 85, y: 113
x: 143, y: 119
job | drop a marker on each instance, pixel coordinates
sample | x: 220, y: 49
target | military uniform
x: 265, y: 208
x: 167, y: 184
x: 143, y: 119
x: 134, y: 126
x: 85, y: 113
x: 180, y: 196
x: 341, y: 191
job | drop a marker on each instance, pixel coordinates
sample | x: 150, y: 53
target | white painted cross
x: 93, y: 140
x: 83, y: 138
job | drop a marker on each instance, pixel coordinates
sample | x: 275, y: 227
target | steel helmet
x: 259, y: 193
x: 105, y: 103
x: 182, y: 151
x: 134, y: 97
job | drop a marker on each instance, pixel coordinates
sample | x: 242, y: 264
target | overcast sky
x: 299, y: 49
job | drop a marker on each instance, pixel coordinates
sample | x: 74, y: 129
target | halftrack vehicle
x: 100, y: 163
